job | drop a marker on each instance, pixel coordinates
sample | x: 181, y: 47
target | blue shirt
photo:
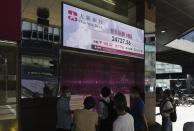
x: 137, y: 111
x: 63, y: 114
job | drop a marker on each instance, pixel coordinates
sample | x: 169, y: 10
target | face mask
x: 68, y: 94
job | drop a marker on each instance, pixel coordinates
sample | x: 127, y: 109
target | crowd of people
x: 113, y: 114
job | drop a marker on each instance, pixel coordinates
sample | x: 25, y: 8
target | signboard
x: 89, y: 31
x: 10, y: 15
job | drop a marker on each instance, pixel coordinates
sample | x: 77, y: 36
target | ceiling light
x: 163, y: 31
x: 110, y: 2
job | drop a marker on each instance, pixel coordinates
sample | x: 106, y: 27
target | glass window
x: 34, y: 26
x: 56, y: 31
x: 8, y: 88
x: 26, y: 25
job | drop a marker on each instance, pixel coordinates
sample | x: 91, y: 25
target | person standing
x: 86, y: 119
x: 138, y: 110
x: 165, y: 109
x: 124, y: 121
x: 107, y: 113
x: 64, y: 119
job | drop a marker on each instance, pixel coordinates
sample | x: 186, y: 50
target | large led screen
x: 89, y: 31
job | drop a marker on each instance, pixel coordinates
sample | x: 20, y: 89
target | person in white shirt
x: 188, y: 126
x: 124, y: 121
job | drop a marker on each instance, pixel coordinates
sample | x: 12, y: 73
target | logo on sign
x: 72, y: 15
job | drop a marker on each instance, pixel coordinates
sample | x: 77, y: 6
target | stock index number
x: 121, y: 40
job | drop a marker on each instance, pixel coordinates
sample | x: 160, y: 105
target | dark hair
x: 167, y: 92
x: 173, y: 92
x: 120, y: 101
x: 105, y: 91
x: 64, y: 88
x: 135, y: 89
x: 89, y: 102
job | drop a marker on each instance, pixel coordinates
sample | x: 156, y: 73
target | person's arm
x: 96, y: 124
x: 169, y: 110
x: 71, y: 111
x: 132, y: 124
x: 66, y: 107
x: 74, y: 120
x: 142, y: 108
x: 101, y: 109
x: 145, y: 123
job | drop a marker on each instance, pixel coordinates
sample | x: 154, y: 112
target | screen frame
x: 95, y: 51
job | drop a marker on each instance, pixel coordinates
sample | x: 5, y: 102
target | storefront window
x: 8, y: 87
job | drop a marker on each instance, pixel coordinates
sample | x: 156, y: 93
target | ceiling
x: 173, y: 16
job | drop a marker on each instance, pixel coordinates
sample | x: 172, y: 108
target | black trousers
x: 60, y: 129
x: 106, y: 125
x: 139, y: 129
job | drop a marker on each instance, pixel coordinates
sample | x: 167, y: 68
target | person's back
x: 137, y: 111
x: 85, y: 120
x: 107, y: 113
x: 124, y: 123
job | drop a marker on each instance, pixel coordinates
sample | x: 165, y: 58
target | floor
x: 184, y: 114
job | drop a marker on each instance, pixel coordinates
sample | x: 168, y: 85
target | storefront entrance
x: 8, y: 86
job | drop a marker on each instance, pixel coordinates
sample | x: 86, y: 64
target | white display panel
x: 89, y: 31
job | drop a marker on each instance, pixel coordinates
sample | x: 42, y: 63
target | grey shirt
x: 63, y: 114
x: 103, y: 109
x: 167, y: 106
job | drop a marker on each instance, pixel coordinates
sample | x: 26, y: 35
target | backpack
x: 173, y: 115
x: 112, y: 115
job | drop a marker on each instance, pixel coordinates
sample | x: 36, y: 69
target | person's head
x: 167, y: 93
x: 173, y: 93
x: 65, y: 91
x: 188, y: 126
x: 105, y: 92
x: 89, y: 103
x: 162, y: 94
x: 135, y: 92
x: 120, y: 102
